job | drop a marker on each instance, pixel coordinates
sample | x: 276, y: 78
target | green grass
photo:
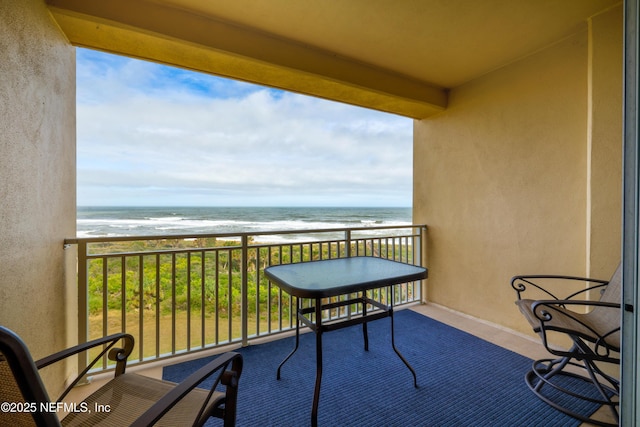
x: 187, y: 337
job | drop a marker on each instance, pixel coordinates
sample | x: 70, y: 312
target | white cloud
x: 153, y: 135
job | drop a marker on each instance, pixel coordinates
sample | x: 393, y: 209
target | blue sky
x: 152, y: 135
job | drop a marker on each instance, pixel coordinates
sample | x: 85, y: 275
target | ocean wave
x: 154, y: 221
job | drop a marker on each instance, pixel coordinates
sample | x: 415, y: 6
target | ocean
x: 146, y: 221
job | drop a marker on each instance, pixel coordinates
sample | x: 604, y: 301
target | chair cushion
x: 524, y: 305
x: 130, y: 395
x: 581, y: 324
x: 10, y: 392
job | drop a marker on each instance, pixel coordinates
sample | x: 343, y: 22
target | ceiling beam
x: 176, y: 37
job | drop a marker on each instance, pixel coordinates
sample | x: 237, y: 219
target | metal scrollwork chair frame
x: 593, y: 326
x: 128, y: 399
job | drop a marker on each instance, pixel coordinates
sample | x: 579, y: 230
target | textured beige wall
x: 37, y: 170
x: 500, y: 178
x: 605, y: 185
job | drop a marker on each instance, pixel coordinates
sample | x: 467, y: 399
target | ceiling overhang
x: 180, y: 38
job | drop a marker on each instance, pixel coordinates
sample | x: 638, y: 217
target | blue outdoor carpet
x: 462, y: 380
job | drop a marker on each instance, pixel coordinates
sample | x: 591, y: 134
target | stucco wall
x: 501, y: 179
x: 37, y: 173
x: 605, y: 148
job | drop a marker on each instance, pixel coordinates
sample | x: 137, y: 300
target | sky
x: 153, y: 135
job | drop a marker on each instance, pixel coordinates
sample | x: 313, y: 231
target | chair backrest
x: 21, y: 386
x: 613, y: 291
x: 606, y: 318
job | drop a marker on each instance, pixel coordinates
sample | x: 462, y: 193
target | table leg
x: 393, y: 342
x: 365, y: 332
x: 298, y: 308
x: 316, y: 393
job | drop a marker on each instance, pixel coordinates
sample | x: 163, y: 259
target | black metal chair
x: 126, y: 400
x: 591, y: 318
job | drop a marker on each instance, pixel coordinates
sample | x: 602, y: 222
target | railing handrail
x: 77, y: 240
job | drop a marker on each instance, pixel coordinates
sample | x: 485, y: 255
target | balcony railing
x: 186, y: 293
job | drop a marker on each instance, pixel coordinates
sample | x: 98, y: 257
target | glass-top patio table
x: 317, y: 280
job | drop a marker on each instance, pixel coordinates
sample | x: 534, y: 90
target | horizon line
x: 246, y: 206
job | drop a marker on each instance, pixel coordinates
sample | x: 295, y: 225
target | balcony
x: 520, y: 170
x: 190, y: 296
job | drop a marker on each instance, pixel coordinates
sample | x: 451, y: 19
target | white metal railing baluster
x: 203, y: 317
x: 141, y: 307
x: 157, y: 305
x: 216, y: 288
x: 244, y: 292
x: 173, y: 303
x: 83, y: 302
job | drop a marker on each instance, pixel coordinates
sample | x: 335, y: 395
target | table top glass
x: 339, y: 276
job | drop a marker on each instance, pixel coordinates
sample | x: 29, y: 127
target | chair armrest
x: 555, y: 315
x: 111, y: 340
x: 538, y: 307
x: 520, y: 283
x: 117, y: 354
x: 565, y: 303
x: 228, y: 378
